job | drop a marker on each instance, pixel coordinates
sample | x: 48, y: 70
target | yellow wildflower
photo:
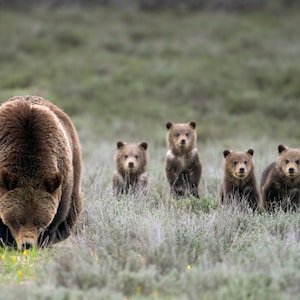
x: 25, y: 252
x: 13, y: 258
x: 189, y: 267
x: 2, y: 256
x: 138, y: 289
x: 20, y: 273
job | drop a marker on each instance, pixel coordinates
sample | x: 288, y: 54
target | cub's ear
x: 120, y: 144
x: 169, y: 125
x: 53, y: 182
x: 226, y: 152
x: 193, y: 124
x: 8, y: 179
x: 144, y: 145
x: 282, y: 148
x: 250, y: 151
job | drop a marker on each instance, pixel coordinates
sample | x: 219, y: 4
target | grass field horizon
x: 121, y: 75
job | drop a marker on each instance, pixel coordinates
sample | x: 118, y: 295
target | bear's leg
x: 118, y: 184
x: 6, y: 238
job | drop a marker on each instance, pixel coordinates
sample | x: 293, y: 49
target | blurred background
x: 122, y: 69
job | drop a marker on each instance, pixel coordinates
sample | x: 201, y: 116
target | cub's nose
x: 182, y: 142
x: 291, y: 170
x: 130, y: 165
x: 242, y: 170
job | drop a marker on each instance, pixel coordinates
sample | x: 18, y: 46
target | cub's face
x: 181, y: 136
x: 28, y: 211
x: 131, y: 158
x: 239, y: 164
x: 289, y: 161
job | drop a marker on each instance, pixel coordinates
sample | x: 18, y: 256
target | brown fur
x: 280, y: 182
x: 239, y: 180
x: 182, y: 167
x: 130, y: 174
x: 40, y: 173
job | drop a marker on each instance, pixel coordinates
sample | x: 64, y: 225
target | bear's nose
x: 291, y: 170
x: 242, y: 170
x: 182, y: 142
x: 26, y: 246
x: 130, y: 165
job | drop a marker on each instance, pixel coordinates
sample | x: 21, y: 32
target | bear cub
x: 130, y: 174
x: 183, y: 168
x: 280, y: 181
x: 239, y: 182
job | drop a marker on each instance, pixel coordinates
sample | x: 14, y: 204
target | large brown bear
x: 183, y: 168
x: 40, y: 173
x: 130, y: 175
x: 280, y: 181
x: 239, y: 182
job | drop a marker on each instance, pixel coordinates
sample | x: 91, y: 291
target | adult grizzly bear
x: 280, y: 181
x: 130, y: 174
x: 183, y: 168
x: 239, y: 182
x: 40, y: 173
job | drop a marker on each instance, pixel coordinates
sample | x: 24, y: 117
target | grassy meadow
x: 121, y: 75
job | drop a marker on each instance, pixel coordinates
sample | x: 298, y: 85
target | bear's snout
x: 26, y: 243
x: 183, y: 142
x: 26, y: 240
x: 291, y: 170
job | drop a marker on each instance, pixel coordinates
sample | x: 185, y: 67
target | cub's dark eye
x: 297, y: 162
x: 136, y: 157
x: 245, y: 162
x: 235, y: 163
x: 287, y: 161
x: 125, y: 156
x: 177, y: 134
x: 187, y: 134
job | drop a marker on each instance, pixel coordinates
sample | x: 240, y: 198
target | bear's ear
x: 120, y: 144
x: 250, y: 151
x: 193, y: 124
x: 8, y: 180
x: 169, y: 125
x: 226, y: 152
x: 144, y: 145
x: 281, y: 148
x: 53, y: 182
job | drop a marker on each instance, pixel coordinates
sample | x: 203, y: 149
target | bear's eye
x: 38, y: 225
x: 235, y: 162
x: 187, y: 134
x: 245, y: 162
x: 125, y: 156
x: 287, y: 161
x: 177, y: 134
x: 297, y: 161
x: 136, y: 157
x: 15, y: 224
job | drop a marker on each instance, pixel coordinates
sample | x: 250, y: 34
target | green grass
x: 123, y: 75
